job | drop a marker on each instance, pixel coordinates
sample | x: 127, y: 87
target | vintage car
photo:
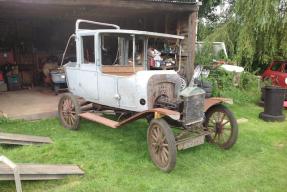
x: 115, y: 70
x: 277, y: 73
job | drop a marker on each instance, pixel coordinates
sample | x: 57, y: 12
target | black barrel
x: 273, y: 104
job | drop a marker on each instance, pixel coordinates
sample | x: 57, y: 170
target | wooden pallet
x: 39, y: 172
x: 17, y: 139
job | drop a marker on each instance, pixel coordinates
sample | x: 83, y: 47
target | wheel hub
x: 218, y: 128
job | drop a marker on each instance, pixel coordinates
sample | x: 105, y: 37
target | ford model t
x: 134, y: 74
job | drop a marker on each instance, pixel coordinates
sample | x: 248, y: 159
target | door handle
x: 117, y: 97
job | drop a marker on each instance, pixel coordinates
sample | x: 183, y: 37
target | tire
x: 69, y: 110
x: 161, y: 145
x: 221, y: 126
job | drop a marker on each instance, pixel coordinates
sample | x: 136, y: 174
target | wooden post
x: 192, y: 27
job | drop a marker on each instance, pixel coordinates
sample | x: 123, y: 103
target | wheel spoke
x: 165, y: 156
x: 154, y: 137
x: 222, y: 118
x: 225, y: 123
x: 155, y: 132
x: 165, y: 150
x: 154, y: 144
x: 218, y: 138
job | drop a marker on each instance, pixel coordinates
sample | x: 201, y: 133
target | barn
x: 32, y: 32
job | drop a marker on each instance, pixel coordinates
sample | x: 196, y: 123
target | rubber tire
x: 171, y: 144
x: 234, y: 132
x: 74, y: 100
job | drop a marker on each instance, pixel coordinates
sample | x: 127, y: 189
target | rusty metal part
x: 209, y: 102
x: 189, y: 139
x: 167, y: 85
x: 114, y: 124
x: 99, y: 119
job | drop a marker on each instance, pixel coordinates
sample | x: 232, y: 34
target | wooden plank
x: 40, y: 172
x: 17, y: 139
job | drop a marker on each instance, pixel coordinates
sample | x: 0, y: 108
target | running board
x: 99, y: 119
x: 114, y: 124
x: 16, y: 139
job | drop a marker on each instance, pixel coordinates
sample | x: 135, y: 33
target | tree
x: 255, y: 32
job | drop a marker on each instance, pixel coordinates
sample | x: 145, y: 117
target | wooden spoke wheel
x: 222, y: 126
x: 69, y: 111
x: 161, y: 145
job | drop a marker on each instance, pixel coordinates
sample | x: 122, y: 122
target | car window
x: 117, y: 50
x: 276, y: 67
x: 285, y: 67
x: 88, y: 49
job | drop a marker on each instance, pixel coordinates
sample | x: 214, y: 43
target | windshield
x: 149, y: 53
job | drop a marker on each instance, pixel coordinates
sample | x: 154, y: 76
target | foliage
x: 207, y: 9
x: 225, y: 84
x: 205, y: 54
x: 255, y: 32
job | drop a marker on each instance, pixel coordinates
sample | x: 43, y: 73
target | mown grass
x: 117, y: 159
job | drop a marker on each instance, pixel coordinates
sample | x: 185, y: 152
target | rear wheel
x: 69, y: 111
x: 161, y: 145
x: 222, y: 125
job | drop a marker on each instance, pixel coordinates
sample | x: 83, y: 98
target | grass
x: 117, y: 159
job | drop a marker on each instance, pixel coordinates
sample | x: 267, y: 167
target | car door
x: 88, y: 74
x: 127, y: 91
x: 108, y: 90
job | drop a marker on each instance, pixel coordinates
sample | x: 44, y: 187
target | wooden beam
x: 192, y: 27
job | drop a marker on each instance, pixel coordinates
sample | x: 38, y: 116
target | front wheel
x: 161, y: 145
x: 222, y: 125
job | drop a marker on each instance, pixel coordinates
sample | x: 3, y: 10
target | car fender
x: 209, y: 102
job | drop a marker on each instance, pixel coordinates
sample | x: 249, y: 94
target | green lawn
x: 117, y: 159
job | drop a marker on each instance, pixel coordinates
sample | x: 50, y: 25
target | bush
x: 246, y: 90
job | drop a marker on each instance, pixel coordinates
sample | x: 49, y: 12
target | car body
x: 277, y: 73
x: 126, y: 86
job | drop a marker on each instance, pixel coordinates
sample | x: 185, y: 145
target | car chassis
x: 135, y: 91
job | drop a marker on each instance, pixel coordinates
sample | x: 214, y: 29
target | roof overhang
x: 104, y: 10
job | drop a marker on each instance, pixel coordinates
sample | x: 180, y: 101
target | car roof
x: 131, y: 32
